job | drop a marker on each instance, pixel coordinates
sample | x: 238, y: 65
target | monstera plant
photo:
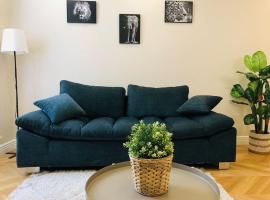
x: 256, y: 95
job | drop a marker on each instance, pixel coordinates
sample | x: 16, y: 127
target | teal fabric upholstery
x: 105, y: 128
x: 122, y: 126
x: 150, y: 120
x: 69, y: 129
x: 96, y: 101
x: 201, y: 104
x: 157, y: 102
x: 60, y: 108
x: 214, y: 122
x: 182, y: 127
x: 96, y: 139
x: 37, y: 122
x: 99, y: 128
x: 38, y: 151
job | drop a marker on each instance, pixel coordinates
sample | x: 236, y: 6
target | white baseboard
x: 7, y: 147
x: 242, y: 140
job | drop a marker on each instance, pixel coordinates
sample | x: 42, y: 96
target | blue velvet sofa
x: 96, y: 139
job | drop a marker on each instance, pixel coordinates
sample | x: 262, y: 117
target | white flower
x: 154, y: 155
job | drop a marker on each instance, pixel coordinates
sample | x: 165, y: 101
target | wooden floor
x: 247, y: 179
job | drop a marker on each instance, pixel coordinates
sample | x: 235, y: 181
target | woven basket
x: 259, y: 143
x: 151, y: 176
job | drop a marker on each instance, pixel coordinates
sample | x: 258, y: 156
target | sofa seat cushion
x: 106, y: 128
x: 150, y: 120
x: 122, y: 126
x: 69, y: 129
x: 99, y: 128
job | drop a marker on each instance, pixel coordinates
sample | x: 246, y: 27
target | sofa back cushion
x: 159, y: 102
x: 97, y: 101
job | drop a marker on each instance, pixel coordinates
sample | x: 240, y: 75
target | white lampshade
x: 14, y: 40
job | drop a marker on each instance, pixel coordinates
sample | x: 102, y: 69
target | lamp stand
x: 16, y: 87
x: 13, y: 155
x: 14, y: 42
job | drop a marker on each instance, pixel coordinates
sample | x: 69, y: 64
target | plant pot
x: 259, y: 143
x: 151, y: 176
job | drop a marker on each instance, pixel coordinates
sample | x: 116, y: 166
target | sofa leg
x: 29, y: 170
x: 224, y: 165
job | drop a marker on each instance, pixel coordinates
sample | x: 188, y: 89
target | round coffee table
x: 115, y: 183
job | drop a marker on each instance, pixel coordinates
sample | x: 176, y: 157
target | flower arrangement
x: 149, y: 141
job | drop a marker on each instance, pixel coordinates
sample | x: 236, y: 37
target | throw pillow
x: 200, y: 104
x: 60, y: 108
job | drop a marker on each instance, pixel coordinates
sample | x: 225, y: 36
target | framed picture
x: 178, y: 11
x: 129, y: 28
x: 81, y: 11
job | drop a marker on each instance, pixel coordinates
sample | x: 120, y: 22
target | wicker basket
x: 151, y: 176
x: 259, y: 143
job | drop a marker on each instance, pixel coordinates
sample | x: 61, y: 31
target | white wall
x: 203, y: 55
x: 7, y: 108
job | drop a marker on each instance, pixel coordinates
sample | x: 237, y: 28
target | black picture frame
x: 81, y: 11
x: 178, y: 11
x: 129, y: 28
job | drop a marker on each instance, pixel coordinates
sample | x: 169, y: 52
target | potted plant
x: 150, y: 150
x: 256, y: 95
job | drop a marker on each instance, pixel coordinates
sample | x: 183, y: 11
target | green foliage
x: 149, y: 141
x: 249, y: 119
x: 250, y: 95
x: 237, y: 91
x: 252, y: 77
x: 257, y: 92
x: 267, y: 96
x: 256, y: 62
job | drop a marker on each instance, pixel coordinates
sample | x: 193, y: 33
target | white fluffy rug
x: 62, y: 186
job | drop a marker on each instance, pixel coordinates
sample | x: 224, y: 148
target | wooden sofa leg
x: 29, y: 170
x: 224, y: 165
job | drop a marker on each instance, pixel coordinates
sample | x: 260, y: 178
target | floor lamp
x: 14, y: 42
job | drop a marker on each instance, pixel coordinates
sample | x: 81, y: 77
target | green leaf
x: 237, y: 91
x: 267, y: 96
x: 256, y: 62
x: 267, y: 116
x: 249, y: 64
x: 251, y: 76
x: 262, y: 110
x: 259, y: 60
x: 249, y: 119
x: 250, y: 96
x: 254, y: 85
x: 265, y: 72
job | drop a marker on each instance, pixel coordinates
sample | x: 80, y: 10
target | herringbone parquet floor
x: 247, y: 179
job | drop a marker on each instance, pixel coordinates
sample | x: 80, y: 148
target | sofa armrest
x: 36, y: 121
x: 214, y: 122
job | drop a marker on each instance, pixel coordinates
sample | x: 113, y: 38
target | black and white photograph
x: 129, y: 28
x: 81, y: 11
x: 178, y: 11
